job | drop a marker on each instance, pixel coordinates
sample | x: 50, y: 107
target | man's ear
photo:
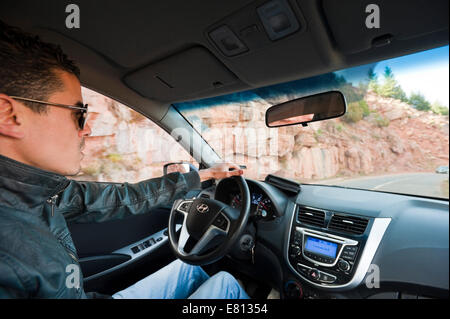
x: 10, y: 119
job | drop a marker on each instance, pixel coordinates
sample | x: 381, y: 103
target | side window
x: 124, y: 146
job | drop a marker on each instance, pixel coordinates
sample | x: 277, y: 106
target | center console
x: 323, y: 258
x: 332, y: 250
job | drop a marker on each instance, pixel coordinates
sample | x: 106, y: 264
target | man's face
x: 53, y: 141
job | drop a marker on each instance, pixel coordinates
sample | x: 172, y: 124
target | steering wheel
x: 204, y: 220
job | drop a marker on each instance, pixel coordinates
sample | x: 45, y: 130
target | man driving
x: 42, y: 133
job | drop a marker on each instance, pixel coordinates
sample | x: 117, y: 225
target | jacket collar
x: 21, y: 184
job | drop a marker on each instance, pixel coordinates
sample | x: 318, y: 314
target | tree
x: 390, y: 87
x: 373, y: 81
x: 388, y: 74
x: 372, y: 75
x: 418, y: 101
x: 438, y: 108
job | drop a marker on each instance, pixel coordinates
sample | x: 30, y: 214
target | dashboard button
x: 314, y: 274
x: 351, y: 248
x: 302, y: 269
x: 343, y: 265
x: 350, y: 256
x: 295, y: 251
x: 327, y: 278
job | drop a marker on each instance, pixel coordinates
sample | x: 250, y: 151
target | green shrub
x: 381, y: 121
x: 114, y: 157
x: 365, y: 108
x: 317, y: 134
x: 418, y: 101
x: 438, y: 108
x: 355, y: 113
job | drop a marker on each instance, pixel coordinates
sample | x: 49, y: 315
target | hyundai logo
x: 202, y: 208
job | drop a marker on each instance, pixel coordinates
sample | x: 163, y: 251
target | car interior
x: 150, y: 55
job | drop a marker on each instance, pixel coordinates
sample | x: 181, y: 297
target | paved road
x: 424, y: 184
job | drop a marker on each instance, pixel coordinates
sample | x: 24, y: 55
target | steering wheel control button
x: 184, y: 207
x: 221, y: 222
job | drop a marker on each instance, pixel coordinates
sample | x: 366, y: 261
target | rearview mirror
x: 307, y: 109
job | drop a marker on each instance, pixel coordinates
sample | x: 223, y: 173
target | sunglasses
x: 81, y: 116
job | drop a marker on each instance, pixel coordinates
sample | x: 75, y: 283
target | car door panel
x: 105, y: 253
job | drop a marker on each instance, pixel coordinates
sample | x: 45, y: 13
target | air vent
x: 204, y: 195
x: 349, y: 224
x: 311, y: 217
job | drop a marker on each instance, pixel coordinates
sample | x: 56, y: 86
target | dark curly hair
x: 29, y: 67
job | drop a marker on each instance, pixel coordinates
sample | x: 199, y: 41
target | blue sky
x: 425, y: 72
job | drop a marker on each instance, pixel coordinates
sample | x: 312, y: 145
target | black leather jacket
x: 35, y: 244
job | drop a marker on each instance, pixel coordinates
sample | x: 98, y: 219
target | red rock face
x: 393, y: 138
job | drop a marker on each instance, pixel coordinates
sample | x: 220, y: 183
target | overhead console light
x: 278, y: 19
x: 227, y: 41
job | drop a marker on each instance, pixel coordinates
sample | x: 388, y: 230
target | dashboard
x: 260, y: 206
x: 333, y: 241
x: 267, y: 202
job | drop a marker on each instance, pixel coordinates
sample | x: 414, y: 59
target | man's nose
x: 86, y: 131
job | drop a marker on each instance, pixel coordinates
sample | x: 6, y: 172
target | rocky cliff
x: 391, y: 138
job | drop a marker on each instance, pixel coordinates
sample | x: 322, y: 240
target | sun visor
x: 359, y: 25
x: 184, y: 74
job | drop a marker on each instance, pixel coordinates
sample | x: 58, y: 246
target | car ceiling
x: 149, y: 54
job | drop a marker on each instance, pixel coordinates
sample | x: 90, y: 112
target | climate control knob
x: 343, y: 265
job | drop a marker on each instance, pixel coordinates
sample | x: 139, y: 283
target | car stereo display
x: 321, y: 247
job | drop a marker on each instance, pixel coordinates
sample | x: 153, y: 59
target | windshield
x: 393, y: 137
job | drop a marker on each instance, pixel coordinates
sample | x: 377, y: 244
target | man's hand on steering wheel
x: 219, y: 171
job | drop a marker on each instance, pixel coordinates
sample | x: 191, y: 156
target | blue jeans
x: 179, y: 280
